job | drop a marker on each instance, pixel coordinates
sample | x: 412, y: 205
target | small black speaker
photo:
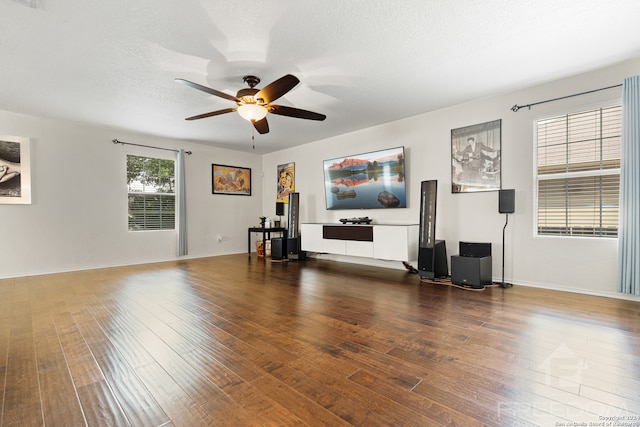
x: 279, y: 208
x: 278, y: 248
x: 507, y: 201
x: 471, y: 271
x: 476, y: 250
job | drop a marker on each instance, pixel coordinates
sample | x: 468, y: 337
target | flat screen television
x: 374, y: 180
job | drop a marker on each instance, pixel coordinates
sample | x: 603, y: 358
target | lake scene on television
x: 373, y: 180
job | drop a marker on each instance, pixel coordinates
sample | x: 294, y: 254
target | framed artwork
x: 476, y: 157
x: 286, y: 181
x: 234, y: 180
x: 15, y: 170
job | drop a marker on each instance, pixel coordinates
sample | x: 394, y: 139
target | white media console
x: 380, y: 241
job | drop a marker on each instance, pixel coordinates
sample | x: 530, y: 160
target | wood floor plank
x: 135, y: 400
x: 438, y: 413
x: 60, y: 404
x: 188, y: 377
x: 306, y: 410
x: 6, y: 292
x: 180, y: 408
x: 22, y: 404
x: 261, y: 406
x: 100, y: 405
x: 214, y: 370
x: 331, y: 395
x: 225, y: 349
x: 137, y: 404
x: 383, y: 365
x: 227, y: 413
x: 80, y: 361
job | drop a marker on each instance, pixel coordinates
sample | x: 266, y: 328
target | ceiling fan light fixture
x: 253, y: 104
x: 252, y: 112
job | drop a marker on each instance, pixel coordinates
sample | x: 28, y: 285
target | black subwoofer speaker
x: 278, y: 248
x: 294, y: 243
x: 507, y: 201
x: 471, y: 271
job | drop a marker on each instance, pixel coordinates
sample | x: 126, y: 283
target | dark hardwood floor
x: 238, y: 341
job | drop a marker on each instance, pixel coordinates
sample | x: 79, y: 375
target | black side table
x: 266, y: 234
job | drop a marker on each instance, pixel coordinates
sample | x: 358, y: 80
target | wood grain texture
x: 238, y: 341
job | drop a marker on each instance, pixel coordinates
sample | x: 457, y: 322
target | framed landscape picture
x: 15, y: 170
x: 234, y: 180
x: 476, y: 157
x: 374, y: 180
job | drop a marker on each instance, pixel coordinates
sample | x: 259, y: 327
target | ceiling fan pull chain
x: 253, y: 137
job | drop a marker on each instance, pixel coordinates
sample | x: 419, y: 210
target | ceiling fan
x: 253, y: 104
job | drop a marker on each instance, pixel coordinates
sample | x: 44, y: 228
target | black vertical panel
x: 294, y: 216
x: 428, y: 195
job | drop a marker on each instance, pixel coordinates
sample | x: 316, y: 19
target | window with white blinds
x: 578, y: 173
x: 151, y: 193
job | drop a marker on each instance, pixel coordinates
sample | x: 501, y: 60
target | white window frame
x: 577, y: 174
x: 153, y: 155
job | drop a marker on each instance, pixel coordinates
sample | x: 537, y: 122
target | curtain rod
x: 116, y: 141
x: 516, y: 107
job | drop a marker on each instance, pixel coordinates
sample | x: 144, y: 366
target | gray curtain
x: 629, y: 227
x: 181, y: 202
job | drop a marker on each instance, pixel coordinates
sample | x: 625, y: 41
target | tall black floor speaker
x: 432, y: 253
x: 294, y: 242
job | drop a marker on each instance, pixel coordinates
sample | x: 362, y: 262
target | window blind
x: 152, y: 211
x: 578, y: 173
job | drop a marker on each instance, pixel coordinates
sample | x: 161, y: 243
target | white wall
x: 580, y: 264
x: 78, y: 216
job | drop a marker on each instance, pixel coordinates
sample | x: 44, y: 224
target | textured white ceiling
x: 360, y: 62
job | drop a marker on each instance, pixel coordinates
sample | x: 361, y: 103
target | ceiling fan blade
x: 207, y: 90
x: 295, y: 112
x: 211, y: 114
x: 276, y: 89
x: 261, y: 126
